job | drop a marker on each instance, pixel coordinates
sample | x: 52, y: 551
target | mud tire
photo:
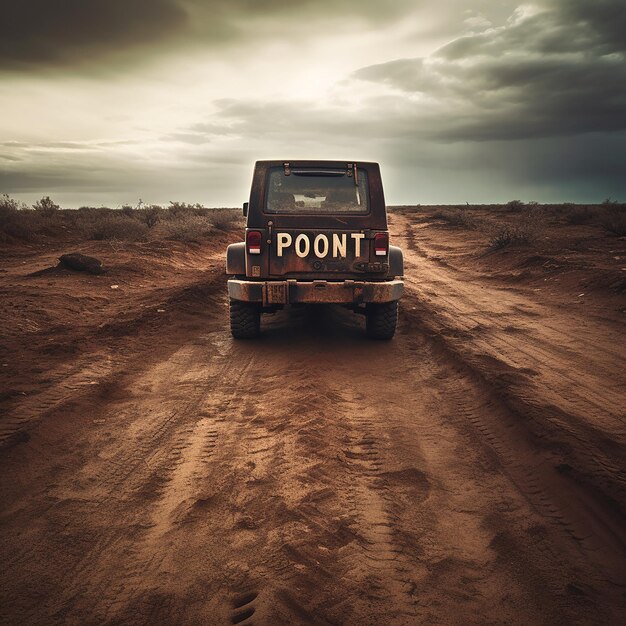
x: 245, y: 319
x: 381, y: 320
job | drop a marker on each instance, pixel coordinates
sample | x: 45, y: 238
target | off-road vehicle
x: 316, y: 232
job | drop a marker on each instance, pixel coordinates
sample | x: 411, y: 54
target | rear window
x: 316, y: 191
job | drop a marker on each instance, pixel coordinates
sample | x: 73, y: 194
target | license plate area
x: 275, y: 293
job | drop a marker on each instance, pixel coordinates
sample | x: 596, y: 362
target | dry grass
x: 503, y: 235
x: 118, y: 227
x: 18, y: 221
x: 523, y: 230
x: 609, y: 215
x: 577, y: 215
x: 181, y: 221
x: 457, y: 218
x: 520, y: 224
x: 614, y: 220
x: 224, y: 218
x: 187, y: 228
x: 515, y: 206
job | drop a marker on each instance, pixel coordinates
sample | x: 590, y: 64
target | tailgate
x: 295, y: 251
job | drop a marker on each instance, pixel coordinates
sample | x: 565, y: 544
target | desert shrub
x: 515, y: 206
x: 198, y: 209
x: 18, y: 226
x: 223, y: 218
x: 17, y: 221
x: 9, y: 205
x: 614, y: 219
x: 151, y: 215
x: 577, y: 215
x: 609, y: 202
x: 14, y: 224
x: 459, y: 218
x: 119, y: 227
x: 523, y: 231
x: 187, y: 228
x: 46, y: 206
x: 503, y: 235
x: 89, y: 212
x: 178, y: 210
x: 184, y: 222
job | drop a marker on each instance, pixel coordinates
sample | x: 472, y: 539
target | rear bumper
x: 317, y: 291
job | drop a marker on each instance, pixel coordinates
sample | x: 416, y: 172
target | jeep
x: 316, y: 232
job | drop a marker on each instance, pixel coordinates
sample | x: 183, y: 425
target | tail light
x: 253, y: 242
x: 381, y: 244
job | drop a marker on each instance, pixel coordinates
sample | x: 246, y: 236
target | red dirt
x: 472, y: 470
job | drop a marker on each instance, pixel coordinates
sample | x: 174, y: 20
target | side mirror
x: 245, y: 209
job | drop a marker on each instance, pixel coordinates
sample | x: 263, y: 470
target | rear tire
x: 245, y: 319
x: 381, y: 320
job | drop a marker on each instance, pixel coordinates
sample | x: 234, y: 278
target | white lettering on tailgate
x: 320, y: 254
x: 284, y: 241
x: 300, y: 250
x: 357, y: 243
x: 321, y: 244
x: 340, y: 246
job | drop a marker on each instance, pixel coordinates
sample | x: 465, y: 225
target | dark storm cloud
x: 40, y: 34
x: 558, y: 72
x: 43, y: 33
x: 605, y: 18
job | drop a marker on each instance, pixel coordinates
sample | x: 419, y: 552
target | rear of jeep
x: 316, y: 233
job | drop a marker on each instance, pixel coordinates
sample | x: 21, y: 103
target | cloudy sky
x: 104, y: 102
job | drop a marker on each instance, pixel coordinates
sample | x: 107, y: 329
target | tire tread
x: 245, y: 320
x: 381, y: 320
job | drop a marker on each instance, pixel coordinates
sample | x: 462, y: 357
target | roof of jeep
x: 310, y: 163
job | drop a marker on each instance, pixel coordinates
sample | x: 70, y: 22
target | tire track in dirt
x: 539, y: 473
x: 113, y: 479
x: 589, y: 435
x: 71, y: 380
x: 139, y: 472
x: 549, y: 492
x: 378, y: 564
x: 308, y: 477
x: 107, y: 349
x: 324, y: 500
x: 529, y: 540
x: 175, y: 458
x: 458, y: 307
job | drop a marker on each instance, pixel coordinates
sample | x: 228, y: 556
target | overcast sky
x: 104, y: 102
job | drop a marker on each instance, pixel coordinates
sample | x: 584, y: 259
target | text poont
x: 322, y: 246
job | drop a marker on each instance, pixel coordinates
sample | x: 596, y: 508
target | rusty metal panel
x: 275, y: 292
x: 245, y: 290
x: 317, y: 291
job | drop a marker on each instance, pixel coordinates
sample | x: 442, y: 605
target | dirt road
x: 471, y: 470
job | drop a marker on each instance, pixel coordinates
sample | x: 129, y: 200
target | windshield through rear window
x: 311, y: 191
